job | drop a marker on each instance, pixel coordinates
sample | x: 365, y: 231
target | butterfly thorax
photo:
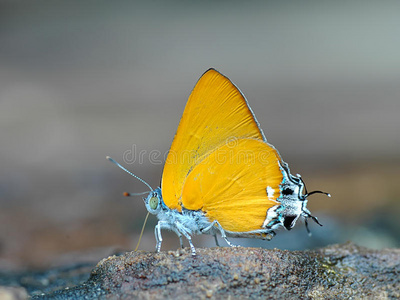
x: 189, y: 221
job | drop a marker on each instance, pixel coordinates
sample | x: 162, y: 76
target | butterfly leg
x: 221, y: 230
x: 223, y: 234
x: 180, y: 240
x: 180, y: 236
x: 216, y: 240
x: 183, y: 230
x: 157, y: 233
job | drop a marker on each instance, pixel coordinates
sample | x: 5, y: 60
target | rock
x: 335, y: 272
x: 46, y: 281
x: 13, y: 293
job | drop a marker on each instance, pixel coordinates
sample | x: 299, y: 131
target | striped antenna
x: 130, y: 173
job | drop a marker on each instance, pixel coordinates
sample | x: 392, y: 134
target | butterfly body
x: 221, y: 176
x: 290, y: 205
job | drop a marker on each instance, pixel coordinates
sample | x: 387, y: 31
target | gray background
x: 80, y: 80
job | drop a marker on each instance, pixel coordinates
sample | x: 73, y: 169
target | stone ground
x: 335, y: 272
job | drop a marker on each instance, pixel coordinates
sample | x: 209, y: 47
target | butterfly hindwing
x: 235, y: 185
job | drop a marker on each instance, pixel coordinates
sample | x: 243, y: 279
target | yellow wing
x: 235, y: 185
x: 216, y: 113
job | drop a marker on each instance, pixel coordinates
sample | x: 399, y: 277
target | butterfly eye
x: 153, y: 202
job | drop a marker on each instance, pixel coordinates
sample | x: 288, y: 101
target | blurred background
x: 80, y: 80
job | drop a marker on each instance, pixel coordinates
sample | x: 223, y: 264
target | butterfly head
x: 153, y: 201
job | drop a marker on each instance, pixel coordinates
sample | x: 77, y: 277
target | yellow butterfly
x: 221, y: 175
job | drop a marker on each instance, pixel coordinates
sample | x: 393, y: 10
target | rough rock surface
x: 335, y: 272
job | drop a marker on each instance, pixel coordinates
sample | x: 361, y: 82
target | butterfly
x: 221, y: 176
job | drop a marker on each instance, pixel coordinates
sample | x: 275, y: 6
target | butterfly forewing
x: 215, y: 114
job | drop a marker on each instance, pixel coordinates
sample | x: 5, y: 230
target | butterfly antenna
x: 130, y: 173
x: 141, y: 233
x: 316, y: 192
x: 306, y: 193
x: 127, y: 194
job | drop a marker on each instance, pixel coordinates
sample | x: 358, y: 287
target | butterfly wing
x: 235, y: 185
x: 215, y: 114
